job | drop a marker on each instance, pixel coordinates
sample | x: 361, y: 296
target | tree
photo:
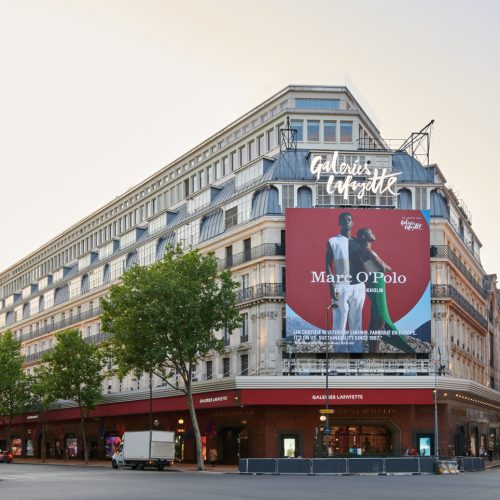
x: 41, y: 389
x: 163, y: 319
x: 13, y: 383
x: 75, y: 374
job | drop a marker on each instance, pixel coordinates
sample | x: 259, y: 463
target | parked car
x: 6, y: 456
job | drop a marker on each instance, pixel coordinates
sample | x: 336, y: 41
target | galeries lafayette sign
x: 360, y: 179
x: 338, y: 397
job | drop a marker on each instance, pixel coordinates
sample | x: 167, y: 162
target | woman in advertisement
x: 379, y: 312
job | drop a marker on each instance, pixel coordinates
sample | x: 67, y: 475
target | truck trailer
x: 145, y: 449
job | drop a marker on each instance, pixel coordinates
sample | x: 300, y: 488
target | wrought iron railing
x: 450, y: 292
x: 264, y: 250
x: 295, y: 366
x: 93, y: 339
x: 259, y: 291
x: 445, y: 252
x: 57, y: 325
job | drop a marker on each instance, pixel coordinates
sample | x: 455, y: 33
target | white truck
x: 145, y: 449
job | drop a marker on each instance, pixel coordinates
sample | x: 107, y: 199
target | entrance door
x: 229, y: 437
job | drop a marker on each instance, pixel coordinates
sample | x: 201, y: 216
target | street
x: 54, y: 482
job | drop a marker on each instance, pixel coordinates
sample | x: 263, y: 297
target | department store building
x: 261, y: 397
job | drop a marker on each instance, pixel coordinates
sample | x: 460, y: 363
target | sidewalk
x: 178, y: 467
x: 491, y: 465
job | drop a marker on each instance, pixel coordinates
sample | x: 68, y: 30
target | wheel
x: 114, y: 464
x: 160, y: 467
x: 140, y: 466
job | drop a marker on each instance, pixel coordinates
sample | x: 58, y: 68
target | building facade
x: 261, y: 397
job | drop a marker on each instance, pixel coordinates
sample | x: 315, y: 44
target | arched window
x: 304, y: 197
x: 26, y: 311
x: 132, y: 259
x: 106, y: 274
x: 404, y: 199
x: 266, y: 201
x: 41, y: 303
x: 161, y: 246
x: 61, y: 295
x: 439, y: 204
x: 85, y: 284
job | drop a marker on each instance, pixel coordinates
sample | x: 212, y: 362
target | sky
x: 97, y: 95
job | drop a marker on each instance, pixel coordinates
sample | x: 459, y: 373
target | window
x: 247, y: 249
x: 243, y: 155
x: 329, y: 131
x: 261, y: 147
x: 270, y: 139
x: 231, y: 217
x: 226, y: 338
x: 229, y: 256
x: 225, y: 367
x: 288, y: 196
x: 251, y: 150
x: 85, y: 284
x: 209, y: 370
x: 244, y: 328
x: 345, y: 131
x: 245, y: 281
x: 244, y: 364
x: 233, y: 163
x: 313, y: 130
x: 317, y: 103
x: 298, y: 125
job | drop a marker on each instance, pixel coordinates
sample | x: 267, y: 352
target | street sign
x: 326, y: 411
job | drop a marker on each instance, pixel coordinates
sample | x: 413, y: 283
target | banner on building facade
x: 359, y: 278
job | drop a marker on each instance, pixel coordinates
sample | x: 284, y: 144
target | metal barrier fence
x: 346, y: 466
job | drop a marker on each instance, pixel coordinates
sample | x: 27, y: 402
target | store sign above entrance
x: 356, y: 178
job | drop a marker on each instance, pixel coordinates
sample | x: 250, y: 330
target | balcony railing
x: 264, y: 250
x: 445, y: 252
x: 295, y: 366
x: 450, y: 292
x: 260, y: 291
x: 93, y: 339
x: 57, y: 325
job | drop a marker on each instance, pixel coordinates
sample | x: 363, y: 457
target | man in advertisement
x: 343, y: 261
x: 374, y: 277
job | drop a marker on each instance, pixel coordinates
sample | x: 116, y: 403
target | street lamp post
x: 331, y: 305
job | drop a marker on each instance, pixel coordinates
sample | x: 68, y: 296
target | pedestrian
x: 212, y: 456
x: 490, y: 453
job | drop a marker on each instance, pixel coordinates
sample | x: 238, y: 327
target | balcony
x: 58, y: 325
x: 93, y: 339
x: 264, y: 250
x: 445, y: 252
x: 357, y: 367
x: 259, y: 292
x: 450, y: 292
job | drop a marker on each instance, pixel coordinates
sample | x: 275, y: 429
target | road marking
x: 47, y: 475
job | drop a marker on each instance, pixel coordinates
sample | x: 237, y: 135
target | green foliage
x: 13, y: 382
x: 163, y: 317
x: 41, y: 389
x: 75, y: 370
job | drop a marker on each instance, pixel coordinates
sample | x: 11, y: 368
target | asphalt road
x: 54, y: 482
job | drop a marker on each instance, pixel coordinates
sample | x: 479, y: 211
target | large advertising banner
x: 363, y: 275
